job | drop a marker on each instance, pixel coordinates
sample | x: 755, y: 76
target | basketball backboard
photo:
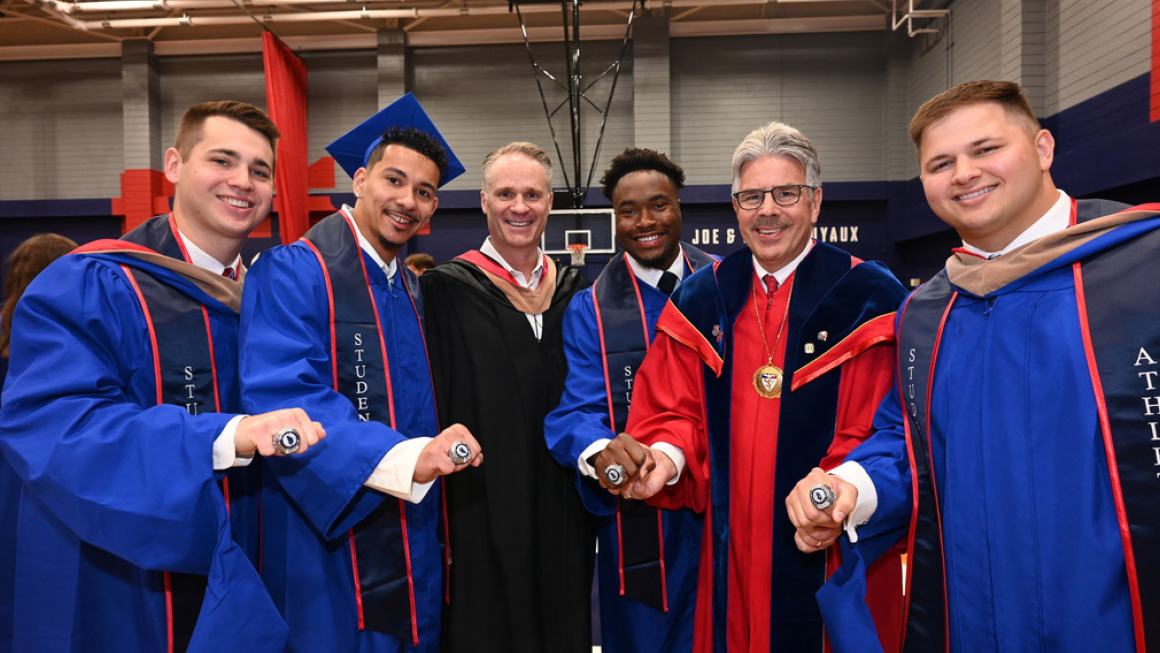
x: 594, y: 227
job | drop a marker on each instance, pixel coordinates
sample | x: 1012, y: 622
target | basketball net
x: 578, y: 250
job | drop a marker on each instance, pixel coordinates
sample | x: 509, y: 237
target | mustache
x: 408, y: 214
x: 770, y: 223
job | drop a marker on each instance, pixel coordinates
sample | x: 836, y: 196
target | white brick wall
x: 831, y: 86
x: 62, y: 131
x: 68, y: 129
x: 1097, y: 46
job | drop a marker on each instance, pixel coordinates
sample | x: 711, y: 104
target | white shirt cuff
x: 395, y: 473
x: 592, y: 450
x: 676, y: 455
x: 867, y: 503
x: 225, y: 455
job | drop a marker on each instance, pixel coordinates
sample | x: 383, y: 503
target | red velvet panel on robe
x: 668, y: 406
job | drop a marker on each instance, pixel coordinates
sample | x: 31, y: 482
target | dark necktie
x: 668, y: 283
x: 230, y: 274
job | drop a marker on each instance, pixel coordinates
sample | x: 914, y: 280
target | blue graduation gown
x: 311, y: 501
x: 116, y: 489
x: 1032, y: 543
x: 581, y: 419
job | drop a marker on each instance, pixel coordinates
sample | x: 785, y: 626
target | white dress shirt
x: 781, y: 274
x: 531, y: 283
x: 395, y: 472
x: 652, y: 277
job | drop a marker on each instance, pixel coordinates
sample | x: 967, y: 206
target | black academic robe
x: 521, y: 544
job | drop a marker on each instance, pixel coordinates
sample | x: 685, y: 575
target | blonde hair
x: 530, y: 150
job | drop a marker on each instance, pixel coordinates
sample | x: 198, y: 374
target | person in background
x: 24, y: 263
x: 419, y: 263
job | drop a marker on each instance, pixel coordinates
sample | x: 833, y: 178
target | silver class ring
x: 287, y: 440
x: 460, y: 453
x: 615, y: 474
x: 822, y: 496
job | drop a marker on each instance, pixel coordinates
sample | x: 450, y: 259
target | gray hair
x: 530, y: 150
x: 777, y: 139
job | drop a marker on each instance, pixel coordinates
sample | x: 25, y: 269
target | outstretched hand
x: 257, y: 432
x: 436, y: 457
x: 819, y: 528
x: 635, y: 458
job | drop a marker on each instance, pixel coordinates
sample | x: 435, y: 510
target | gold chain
x: 761, y: 329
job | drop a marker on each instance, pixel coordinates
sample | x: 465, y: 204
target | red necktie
x: 770, y: 286
x: 229, y: 274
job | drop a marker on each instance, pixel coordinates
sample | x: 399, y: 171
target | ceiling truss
x: 63, y: 29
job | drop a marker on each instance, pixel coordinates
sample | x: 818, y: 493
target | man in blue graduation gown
x: 332, y: 322
x: 119, y: 407
x: 607, y: 330
x: 1017, y: 450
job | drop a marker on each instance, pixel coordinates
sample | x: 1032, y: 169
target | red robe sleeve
x: 668, y: 406
x: 866, y: 380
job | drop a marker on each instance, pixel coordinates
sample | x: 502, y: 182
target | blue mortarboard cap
x: 352, y: 149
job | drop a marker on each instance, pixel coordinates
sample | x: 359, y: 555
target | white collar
x: 1057, y: 218
x: 782, y: 274
x: 489, y: 250
x: 201, y: 259
x: 652, y: 276
x: 388, y: 268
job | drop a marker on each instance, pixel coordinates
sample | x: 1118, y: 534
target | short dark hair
x: 412, y: 139
x: 637, y: 158
x: 1008, y: 95
x: 420, y: 261
x: 189, y: 130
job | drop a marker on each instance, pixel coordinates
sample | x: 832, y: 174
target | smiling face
x: 776, y: 234
x: 516, y: 199
x: 223, y: 186
x: 648, y: 218
x: 986, y: 173
x: 396, y: 198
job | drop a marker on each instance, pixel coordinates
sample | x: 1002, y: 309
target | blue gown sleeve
x: 884, y: 457
x: 82, y: 430
x: 581, y: 418
x: 842, y: 599
x: 285, y: 362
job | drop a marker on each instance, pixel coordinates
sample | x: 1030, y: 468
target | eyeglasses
x: 783, y: 195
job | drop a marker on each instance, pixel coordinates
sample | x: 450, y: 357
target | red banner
x: 286, y: 103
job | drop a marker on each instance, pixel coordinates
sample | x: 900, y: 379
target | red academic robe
x: 669, y: 405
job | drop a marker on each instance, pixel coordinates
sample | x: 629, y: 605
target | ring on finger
x: 287, y: 440
x: 615, y: 474
x: 460, y: 453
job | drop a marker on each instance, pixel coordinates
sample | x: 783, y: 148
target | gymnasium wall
x: 1087, y: 66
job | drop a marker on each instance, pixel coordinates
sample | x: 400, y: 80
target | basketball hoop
x: 578, y: 250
